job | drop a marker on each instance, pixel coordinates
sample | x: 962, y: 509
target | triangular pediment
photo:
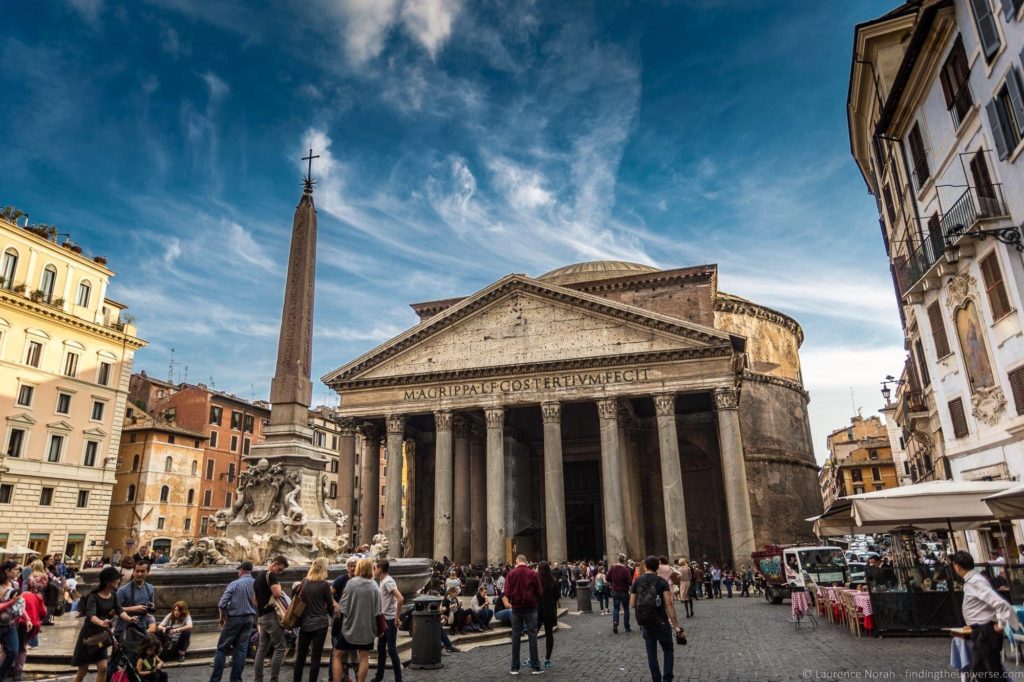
x: 21, y: 419
x: 59, y: 425
x: 520, y: 321
x: 96, y: 432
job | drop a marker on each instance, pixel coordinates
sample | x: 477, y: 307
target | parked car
x: 857, y: 569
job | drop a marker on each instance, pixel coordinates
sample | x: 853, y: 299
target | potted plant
x: 102, y: 260
x: 37, y: 295
x: 20, y: 289
x: 59, y: 303
x: 75, y: 248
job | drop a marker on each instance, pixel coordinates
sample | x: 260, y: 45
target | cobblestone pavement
x: 738, y: 639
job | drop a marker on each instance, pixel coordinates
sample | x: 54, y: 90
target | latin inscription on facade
x: 498, y: 386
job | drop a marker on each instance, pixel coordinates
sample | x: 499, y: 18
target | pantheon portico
x: 600, y: 408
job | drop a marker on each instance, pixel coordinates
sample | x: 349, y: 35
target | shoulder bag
x: 295, y: 610
x: 280, y: 606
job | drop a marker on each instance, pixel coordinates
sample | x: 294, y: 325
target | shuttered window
x: 918, y: 156
x: 1010, y: 8
x: 958, y: 417
x: 1016, y: 378
x: 922, y: 367
x: 890, y: 207
x: 939, y: 337
x: 998, y: 299
x: 987, y: 30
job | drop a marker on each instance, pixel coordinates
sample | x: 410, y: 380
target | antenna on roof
x: 185, y: 380
x: 170, y: 368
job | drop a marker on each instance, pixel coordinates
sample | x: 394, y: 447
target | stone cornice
x: 776, y: 381
x: 522, y: 284
x: 453, y: 376
x: 52, y: 314
x: 741, y: 307
x: 780, y: 458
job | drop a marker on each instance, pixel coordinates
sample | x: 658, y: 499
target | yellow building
x: 860, y: 460
x: 66, y: 355
x: 155, y: 499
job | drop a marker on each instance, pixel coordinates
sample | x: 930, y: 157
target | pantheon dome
x: 594, y: 270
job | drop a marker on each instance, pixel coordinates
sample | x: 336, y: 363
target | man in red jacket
x: 522, y: 595
x: 619, y: 579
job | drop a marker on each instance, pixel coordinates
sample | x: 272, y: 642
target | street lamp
x: 890, y: 380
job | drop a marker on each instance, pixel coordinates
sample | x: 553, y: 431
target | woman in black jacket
x: 547, y: 612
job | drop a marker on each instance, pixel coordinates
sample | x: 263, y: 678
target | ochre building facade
x: 603, y: 407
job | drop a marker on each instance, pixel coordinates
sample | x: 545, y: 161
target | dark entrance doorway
x: 583, y: 525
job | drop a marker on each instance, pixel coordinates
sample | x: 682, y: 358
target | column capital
x: 443, y: 420
x: 551, y: 412
x: 495, y: 417
x: 460, y: 425
x: 395, y: 424
x: 665, y: 404
x: 608, y: 408
x: 369, y: 431
x: 348, y: 426
x: 726, y: 398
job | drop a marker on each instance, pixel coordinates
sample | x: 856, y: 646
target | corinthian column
x: 554, y: 484
x: 611, y: 486
x: 369, y: 484
x: 478, y: 497
x: 347, y: 472
x: 443, y: 486
x: 671, y: 477
x: 734, y: 474
x: 393, y: 485
x: 462, y: 492
x: 495, y: 417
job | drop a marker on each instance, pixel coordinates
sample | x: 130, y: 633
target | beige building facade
x: 860, y: 460
x: 66, y: 354
x: 600, y: 408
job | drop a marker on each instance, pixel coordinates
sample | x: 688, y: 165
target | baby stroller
x: 121, y: 666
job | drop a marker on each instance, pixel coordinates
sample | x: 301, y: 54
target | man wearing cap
x: 237, y: 609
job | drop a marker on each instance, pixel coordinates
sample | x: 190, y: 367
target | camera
x: 150, y: 607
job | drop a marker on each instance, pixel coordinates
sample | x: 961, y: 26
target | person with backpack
x: 266, y: 588
x: 655, y: 610
x: 12, y: 607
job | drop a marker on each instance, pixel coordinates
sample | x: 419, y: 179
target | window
x: 203, y: 525
x: 195, y: 467
x: 190, y: 499
x: 135, y: 463
x: 46, y: 497
x: 998, y: 299
x: 1006, y: 114
x: 1010, y: 8
x: 245, y: 446
x: 9, y: 268
x: 939, y: 337
x: 164, y: 493
x: 213, y: 439
x: 989, y: 204
x: 231, y: 471
x: 876, y: 474
x: 171, y: 414
x: 872, y: 454
x: 132, y: 437
x: 234, y: 443
x: 103, y: 376
x: 1016, y: 378
x: 227, y: 499
x: 955, y: 88
x: 84, y: 290
x: 130, y: 497
x: 215, y: 414
x: 34, y: 353
x: 919, y: 158
x: 171, y: 439
x: 56, y: 445
x: 334, y: 466
x: 47, y: 282
x: 855, y: 475
x: 250, y: 423
x: 6, y: 493
x: 188, y: 524
x: 207, y: 498
x: 319, y: 439
x: 987, y: 31
x: 97, y: 410
x: 334, y: 442
x: 958, y: 417
x: 196, y: 443
x: 83, y: 499
x: 906, y: 468
x: 236, y: 421
x: 71, y: 365
x: 160, y: 523
x: 63, y: 403
x: 89, y: 459
x: 334, y: 491
x: 209, y: 470
x: 168, y: 463
x: 25, y: 395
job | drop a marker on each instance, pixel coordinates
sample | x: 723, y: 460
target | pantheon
x: 603, y: 407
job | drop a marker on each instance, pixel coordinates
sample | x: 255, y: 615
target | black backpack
x: 648, y: 603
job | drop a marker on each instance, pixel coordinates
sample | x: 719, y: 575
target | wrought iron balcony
x: 975, y: 204
x: 961, y: 103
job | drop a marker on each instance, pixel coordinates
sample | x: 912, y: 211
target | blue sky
x: 459, y: 141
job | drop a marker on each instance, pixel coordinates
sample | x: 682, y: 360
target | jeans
x: 529, y: 617
x: 716, y: 586
x: 728, y: 588
x: 620, y: 599
x: 549, y: 639
x: 271, y: 635
x: 698, y: 589
x: 9, y: 642
x: 602, y: 599
x: 310, y: 642
x: 180, y: 645
x: 388, y: 645
x: 654, y: 636
x: 484, y: 617
x: 446, y: 642
x: 234, y: 640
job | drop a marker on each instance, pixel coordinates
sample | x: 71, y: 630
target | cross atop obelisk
x: 308, y: 180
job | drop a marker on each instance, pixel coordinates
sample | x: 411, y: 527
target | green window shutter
x: 987, y: 30
x: 995, y: 121
x: 1013, y: 87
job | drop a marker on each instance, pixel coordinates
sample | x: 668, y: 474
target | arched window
x: 131, y: 493
x: 9, y: 268
x: 195, y: 467
x: 84, y: 293
x: 47, y: 282
x: 168, y: 464
x: 165, y: 492
x: 191, y: 497
x: 135, y: 463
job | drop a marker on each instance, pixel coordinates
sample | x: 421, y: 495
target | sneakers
x: 615, y: 629
x: 547, y: 664
x: 513, y: 672
x: 538, y: 671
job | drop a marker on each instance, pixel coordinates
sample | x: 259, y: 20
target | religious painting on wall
x: 972, y: 345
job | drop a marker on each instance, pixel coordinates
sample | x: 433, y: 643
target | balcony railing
x: 961, y: 104
x: 914, y: 402
x: 921, y: 173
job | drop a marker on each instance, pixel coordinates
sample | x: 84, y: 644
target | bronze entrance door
x: 583, y: 526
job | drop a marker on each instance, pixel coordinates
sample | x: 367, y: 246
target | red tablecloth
x: 801, y: 602
x: 862, y: 600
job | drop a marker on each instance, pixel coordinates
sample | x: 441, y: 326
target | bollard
x: 426, y: 633
x: 583, y: 598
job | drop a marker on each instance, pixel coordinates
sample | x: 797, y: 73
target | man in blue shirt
x: 138, y: 598
x: 237, y: 610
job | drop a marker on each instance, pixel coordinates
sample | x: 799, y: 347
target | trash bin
x: 583, y: 596
x: 426, y: 633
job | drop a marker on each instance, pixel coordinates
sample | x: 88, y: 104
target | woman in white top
x: 453, y: 581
